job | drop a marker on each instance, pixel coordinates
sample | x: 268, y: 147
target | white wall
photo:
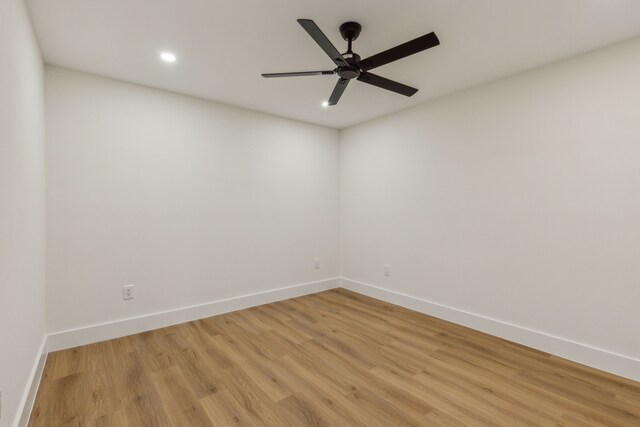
x: 518, y: 200
x: 189, y: 200
x: 22, y: 247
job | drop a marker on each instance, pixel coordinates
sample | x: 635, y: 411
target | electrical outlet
x: 387, y: 270
x: 127, y: 292
x: 316, y: 264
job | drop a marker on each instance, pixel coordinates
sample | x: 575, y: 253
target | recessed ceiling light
x: 168, y: 57
x: 325, y: 104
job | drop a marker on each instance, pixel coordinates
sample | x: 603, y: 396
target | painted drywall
x: 518, y: 200
x: 190, y: 201
x: 22, y: 209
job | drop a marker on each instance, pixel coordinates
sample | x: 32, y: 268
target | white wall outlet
x: 127, y: 292
x: 387, y: 270
x: 316, y: 264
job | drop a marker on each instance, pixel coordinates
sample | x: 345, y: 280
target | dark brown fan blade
x: 322, y: 40
x: 298, y: 74
x: 383, y: 83
x: 337, y: 91
x: 401, y: 51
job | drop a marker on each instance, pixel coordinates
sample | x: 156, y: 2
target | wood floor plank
x: 322, y: 396
x: 174, y: 393
x: 223, y: 410
x: 255, y: 402
x: 335, y: 358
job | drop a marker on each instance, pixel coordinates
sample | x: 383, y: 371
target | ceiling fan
x: 349, y: 64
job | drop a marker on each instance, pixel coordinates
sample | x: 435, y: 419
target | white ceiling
x: 223, y: 46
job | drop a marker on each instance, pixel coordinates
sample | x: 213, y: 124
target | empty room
x: 319, y: 213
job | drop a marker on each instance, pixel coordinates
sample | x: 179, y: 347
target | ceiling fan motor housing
x: 349, y: 72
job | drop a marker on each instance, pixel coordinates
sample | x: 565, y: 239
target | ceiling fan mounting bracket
x: 350, y: 30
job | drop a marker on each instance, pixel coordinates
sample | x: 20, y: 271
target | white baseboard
x: 120, y: 328
x: 29, y: 396
x: 598, y: 358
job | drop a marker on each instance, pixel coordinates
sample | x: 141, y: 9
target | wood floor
x: 335, y: 358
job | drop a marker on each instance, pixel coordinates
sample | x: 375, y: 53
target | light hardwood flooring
x: 334, y: 358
